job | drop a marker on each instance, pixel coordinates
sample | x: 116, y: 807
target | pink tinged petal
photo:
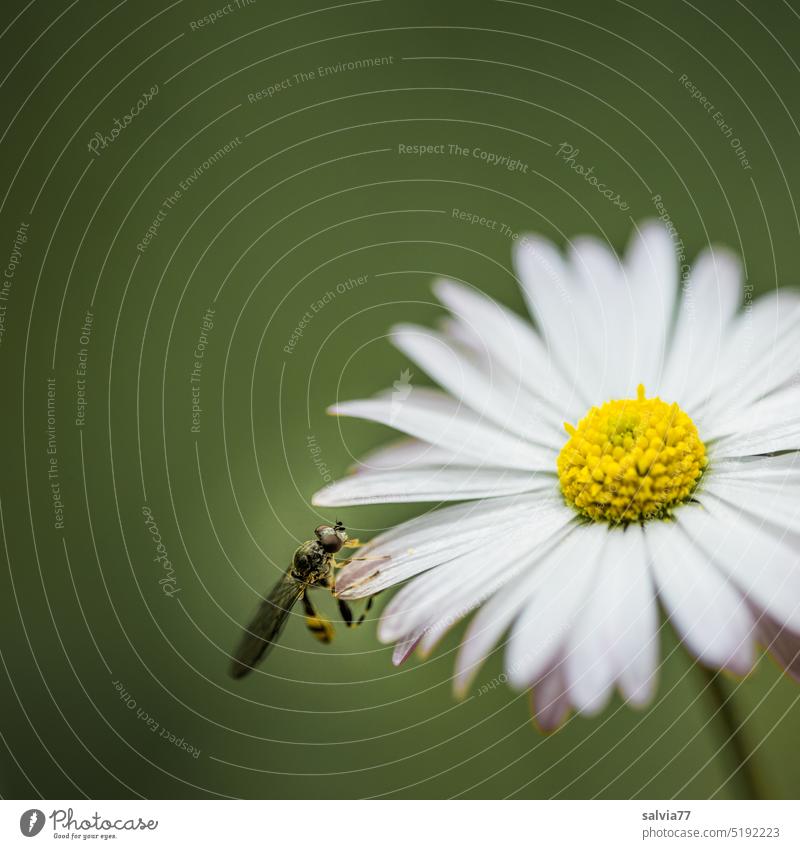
x: 652, y: 270
x: 445, y: 595
x: 616, y: 639
x: 487, y: 393
x: 551, y: 700
x: 708, y: 612
x: 782, y: 643
x: 437, y: 418
x: 404, y: 649
x: 762, y: 562
x: 433, y: 634
x: 439, y: 484
x: 554, y: 608
x: 429, y: 540
x: 499, y: 612
x: 510, y: 341
x: 554, y: 302
x: 711, y: 297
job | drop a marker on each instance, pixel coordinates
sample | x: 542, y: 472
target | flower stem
x: 731, y: 734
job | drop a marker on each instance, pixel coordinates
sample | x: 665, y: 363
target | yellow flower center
x: 631, y: 460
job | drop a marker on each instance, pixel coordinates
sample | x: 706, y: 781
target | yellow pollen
x: 631, y: 460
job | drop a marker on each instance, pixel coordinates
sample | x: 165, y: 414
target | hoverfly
x: 312, y: 566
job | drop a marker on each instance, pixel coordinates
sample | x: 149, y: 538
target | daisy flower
x: 636, y: 445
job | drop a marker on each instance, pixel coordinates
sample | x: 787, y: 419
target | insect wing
x: 262, y: 633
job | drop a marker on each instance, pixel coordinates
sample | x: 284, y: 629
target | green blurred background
x: 100, y: 665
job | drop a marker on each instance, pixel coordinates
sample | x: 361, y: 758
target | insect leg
x: 319, y: 627
x: 339, y: 563
x: 347, y: 613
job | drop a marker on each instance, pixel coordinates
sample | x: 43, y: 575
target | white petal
x: 444, y: 595
x: 406, y: 453
x: 780, y: 469
x: 760, y: 560
x: 510, y: 340
x: 430, y: 540
x: 711, y: 296
x: 497, y: 614
x: 554, y: 608
x: 766, y: 487
x: 590, y: 668
x: 555, y: 304
x: 438, y: 484
x: 767, y: 503
x: 635, y: 615
x: 510, y: 407
x: 604, y: 284
x: 542, y: 416
x: 760, y: 351
x: 652, y: 270
x: 617, y: 636
x: 708, y: 611
x: 436, y: 418
x: 771, y: 424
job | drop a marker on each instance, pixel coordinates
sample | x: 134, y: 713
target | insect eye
x: 330, y: 540
x: 331, y: 543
